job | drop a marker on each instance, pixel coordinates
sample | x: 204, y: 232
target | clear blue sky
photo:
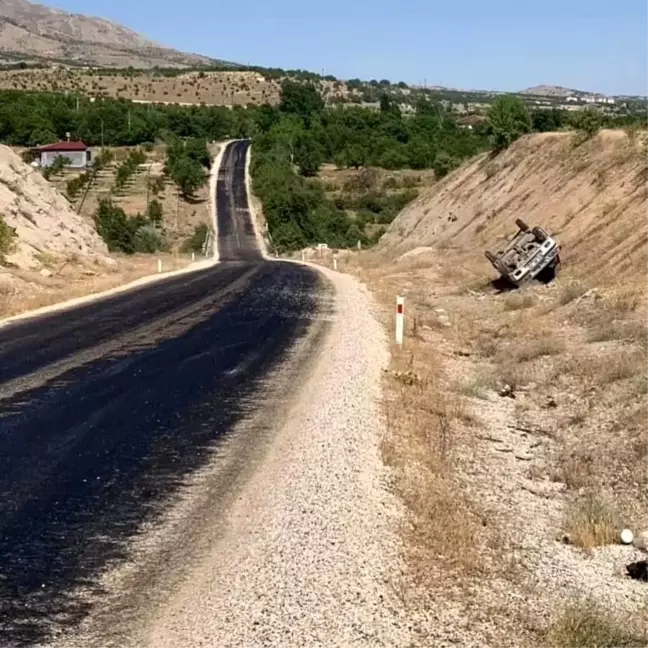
x: 597, y: 45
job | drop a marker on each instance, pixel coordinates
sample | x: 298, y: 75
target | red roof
x: 64, y: 146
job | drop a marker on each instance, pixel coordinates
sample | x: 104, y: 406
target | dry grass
x: 532, y: 349
x: 575, y: 469
x: 519, y: 302
x: 583, y: 624
x: 626, y: 302
x: 445, y: 533
x: 571, y: 291
x: 479, y: 386
x: 31, y: 291
x: 604, y: 369
x: 591, y: 522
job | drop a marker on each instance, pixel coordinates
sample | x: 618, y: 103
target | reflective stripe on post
x: 400, y: 319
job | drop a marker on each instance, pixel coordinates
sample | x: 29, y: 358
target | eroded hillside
x: 591, y: 195
x: 42, y: 218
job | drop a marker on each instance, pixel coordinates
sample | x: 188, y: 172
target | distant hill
x: 555, y: 91
x: 34, y: 32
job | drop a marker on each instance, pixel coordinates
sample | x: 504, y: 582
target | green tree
x: 60, y: 162
x: 113, y: 227
x: 301, y: 99
x: 508, y: 119
x: 308, y: 156
x: 545, y: 121
x: 443, y: 164
x: 154, y: 212
x: 589, y: 122
x: 188, y: 174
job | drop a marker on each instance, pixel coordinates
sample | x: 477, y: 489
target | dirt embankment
x: 591, y: 195
x: 42, y: 218
x: 516, y: 419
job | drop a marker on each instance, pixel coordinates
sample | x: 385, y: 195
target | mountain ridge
x: 35, y: 31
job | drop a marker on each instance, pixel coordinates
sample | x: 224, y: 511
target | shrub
x: 156, y: 185
x: 56, y: 167
x: 149, y: 239
x: 196, y: 241
x: 113, y: 227
x: 588, y: 122
x: 443, y: 164
x: 7, y: 239
x: 155, y: 212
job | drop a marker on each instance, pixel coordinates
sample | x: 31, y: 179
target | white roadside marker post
x: 159, y: 265
x: 334, y: 263
x: 400, y: 319
x: 303, y: 255
x: 193, y: 256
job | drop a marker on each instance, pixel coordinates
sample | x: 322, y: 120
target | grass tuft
x: 583, y: 624
x: 591, y: 522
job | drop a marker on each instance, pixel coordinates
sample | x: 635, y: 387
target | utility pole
x: 129, y: 120
x: 102, y: 134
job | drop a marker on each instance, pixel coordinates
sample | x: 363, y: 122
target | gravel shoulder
x: 310, y: 552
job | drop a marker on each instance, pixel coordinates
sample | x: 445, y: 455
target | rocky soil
x: 44, y: 222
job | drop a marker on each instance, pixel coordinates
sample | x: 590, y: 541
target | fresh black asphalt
x: 105, y: 409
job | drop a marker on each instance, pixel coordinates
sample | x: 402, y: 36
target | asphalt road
x: 106, y: 409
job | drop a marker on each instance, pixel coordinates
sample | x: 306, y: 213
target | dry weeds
x: 591, y: 521
x: 29, y: 290
x: 445, y: 532
x: 571, y: 291
x: 584, y: 624
x: 519, y: 302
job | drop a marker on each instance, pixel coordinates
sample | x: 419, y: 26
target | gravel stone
x: 311, y: 553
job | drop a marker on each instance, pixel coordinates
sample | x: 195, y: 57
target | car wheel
x: 539, y: 234
x: 522, y: 225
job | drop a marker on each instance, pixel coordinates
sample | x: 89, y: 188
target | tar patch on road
x: 92, y: 453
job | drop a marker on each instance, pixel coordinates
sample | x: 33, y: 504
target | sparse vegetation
x: 124, y: 234
x: 129, y: 167
x: 584, y: 624
x: 197, y: 240
x: 7, y: 239
x: 571, y: 291
x: 519, y: 302
x: 591, y: 522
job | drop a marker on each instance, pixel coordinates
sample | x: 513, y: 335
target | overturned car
x: 531, y: 252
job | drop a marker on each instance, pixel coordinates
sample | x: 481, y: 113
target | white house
x: 78, y: 153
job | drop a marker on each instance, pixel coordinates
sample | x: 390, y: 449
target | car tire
x: 522, y: 225
x: 539, y: 234
x: 490, y: 256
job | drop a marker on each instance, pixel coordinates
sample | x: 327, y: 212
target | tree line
x: 291, y: 143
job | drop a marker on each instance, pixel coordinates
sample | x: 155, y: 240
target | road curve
x: 107, y: 409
